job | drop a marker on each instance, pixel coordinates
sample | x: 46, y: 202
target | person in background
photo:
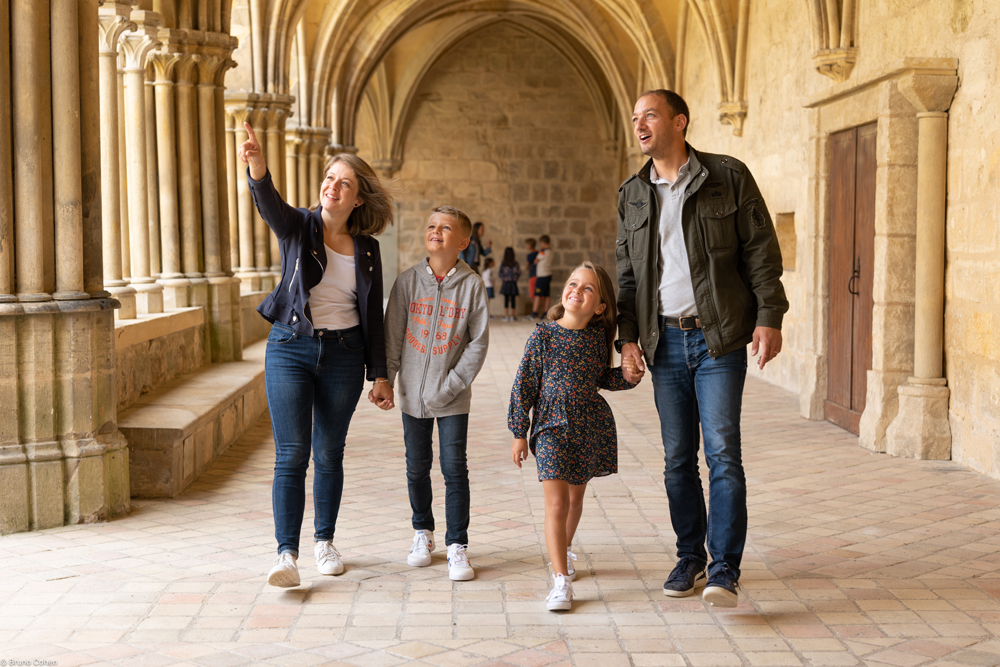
x: 543, y: 268
x: 510, y: 272
x: 488, y: 282
x: 529, y: 246
x: 477, y: 248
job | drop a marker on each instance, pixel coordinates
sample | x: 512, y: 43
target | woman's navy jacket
x: 303, y: 261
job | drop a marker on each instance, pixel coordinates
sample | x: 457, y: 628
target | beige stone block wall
x: 150, y: 363
x: 504, y: 129
x: 776, y: 146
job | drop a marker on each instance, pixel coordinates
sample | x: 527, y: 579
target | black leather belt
x: 683, y: 323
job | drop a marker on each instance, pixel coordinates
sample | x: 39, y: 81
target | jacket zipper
x: 294, y: 273
x: 430, y: 343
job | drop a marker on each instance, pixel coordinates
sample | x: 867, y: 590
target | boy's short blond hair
x: 531, y: 243
x: 461, y: 218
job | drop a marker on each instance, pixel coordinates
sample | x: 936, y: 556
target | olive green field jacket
x: 732, y: 250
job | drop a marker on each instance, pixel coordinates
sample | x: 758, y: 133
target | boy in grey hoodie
x: 436, y: 337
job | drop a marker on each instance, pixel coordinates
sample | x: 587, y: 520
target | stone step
x: 177, y: 430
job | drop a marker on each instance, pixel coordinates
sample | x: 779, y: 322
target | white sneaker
x: 570, y: 569
x: 328, y: 558
x: 420, y: 552
x: 561, y: 596
x: 285, y: 573
x: 459, y: 567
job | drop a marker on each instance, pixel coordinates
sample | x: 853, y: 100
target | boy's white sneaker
x: 328, y: 558
x: 459, y: 567
x: 285, y: 573
x: 561, y: 596
x: 420, y: 552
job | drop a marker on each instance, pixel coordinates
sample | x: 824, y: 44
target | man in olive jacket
x: 699, y: 277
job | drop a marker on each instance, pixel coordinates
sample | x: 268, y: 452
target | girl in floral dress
x: 566, y: 361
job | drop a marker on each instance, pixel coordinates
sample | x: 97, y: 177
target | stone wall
x: 775, y: 145
x: 504, y: 129
x: 148, y: 364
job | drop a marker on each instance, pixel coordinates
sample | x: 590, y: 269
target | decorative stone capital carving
x: 220, y: 74
x: 733, y: 113
x: 207, y: 67
x: 163, y: 65
x: 928, y: 92
x: 186, y: 69
x: 386, y: 168
x: 276, y: 118
x: 138, y: 44
x: 112, y: 23
x: 836, y: 63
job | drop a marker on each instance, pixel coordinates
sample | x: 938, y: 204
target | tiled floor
x: 853, y: 558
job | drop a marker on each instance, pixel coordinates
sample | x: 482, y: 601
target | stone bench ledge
x: 177, y: 430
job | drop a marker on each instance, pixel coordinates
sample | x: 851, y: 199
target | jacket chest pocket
x: 718, y: 222
x: 637, y: 235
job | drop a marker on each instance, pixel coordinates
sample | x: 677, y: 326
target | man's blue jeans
x: 313, y: 386
x: 453, y: 435
x: 691, y: 389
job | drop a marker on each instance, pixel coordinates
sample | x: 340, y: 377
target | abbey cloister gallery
x: 132, y: 256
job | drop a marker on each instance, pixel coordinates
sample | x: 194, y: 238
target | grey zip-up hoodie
x: 436, y: 337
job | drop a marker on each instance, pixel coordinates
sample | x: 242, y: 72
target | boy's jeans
x: 452, y: 434
x: 313, y: 386
x: 690, y: 387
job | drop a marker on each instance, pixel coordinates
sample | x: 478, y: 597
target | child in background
x: 488, y: 282
x: 436, y: 337
x: 529, y: 245
x: 509, y: 273
x: 543, y: 278
x: 573, y: 433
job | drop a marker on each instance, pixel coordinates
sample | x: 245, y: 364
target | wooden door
x: 852, y: 259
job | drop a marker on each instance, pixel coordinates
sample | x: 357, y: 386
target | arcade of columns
x: 122, y: 202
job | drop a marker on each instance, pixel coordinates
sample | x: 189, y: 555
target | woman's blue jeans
x: 313, y: 386
x: 453, y: 435
x: 691, y: 389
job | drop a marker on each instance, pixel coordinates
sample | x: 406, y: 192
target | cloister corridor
x: 854, y: 558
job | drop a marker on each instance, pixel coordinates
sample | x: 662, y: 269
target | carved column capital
x: 928, y: 91
x: 836, y: 63
x: 137, y: 45
x: 207, y: 67
x: 112, y: 22
x: 733, y: 113
x: 186, y: 69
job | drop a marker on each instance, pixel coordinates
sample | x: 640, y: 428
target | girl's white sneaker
x: 328, y: 558
x: 561, y: 596
x: 570, y: 568
x: 285, y: 573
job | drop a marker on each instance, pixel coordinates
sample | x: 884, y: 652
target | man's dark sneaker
x: 721, y: 588
x: 688, y: 574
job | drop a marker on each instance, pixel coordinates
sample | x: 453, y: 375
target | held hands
x: 252, y: 154
x: 633, y: 367
x: 519, y: 451
x: 768, y: 341
x: 381, y: 395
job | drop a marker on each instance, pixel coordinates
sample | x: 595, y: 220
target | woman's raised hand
x: 252, y: 154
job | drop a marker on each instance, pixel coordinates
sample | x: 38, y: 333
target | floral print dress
x: 573, y: 434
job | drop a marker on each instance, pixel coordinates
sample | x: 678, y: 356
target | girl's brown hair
x: 609, y: 317
x: 377, y: 211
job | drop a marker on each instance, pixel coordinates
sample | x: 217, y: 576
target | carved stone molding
x: 836, y: 63
x: 733, y: 113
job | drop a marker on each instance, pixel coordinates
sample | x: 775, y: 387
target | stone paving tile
x: 853, y: 558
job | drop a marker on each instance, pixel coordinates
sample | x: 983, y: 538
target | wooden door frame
x: 876, y: 98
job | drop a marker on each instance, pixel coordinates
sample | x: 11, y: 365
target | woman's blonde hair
x: 608, y: 318
x: 377, y: 212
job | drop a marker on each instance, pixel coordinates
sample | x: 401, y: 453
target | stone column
x: 228, y: 305
x: 261, y: 232
x: 291, y: 170
x: 152, y: 178
x: 175, y: 285
x: 921, y: 428
x: 136, y: 47
x: 7, y: 287
x: 233, y: 173
x: 123, y: 162
x: 90, y: 149
x: 112, y: 22
x: 33, y: 163
x: 67, y: 152
x: 189, y: 186
x: 245, y: 268
x: 207, y: 66
x: 275, y: 157
x: 305, y: 147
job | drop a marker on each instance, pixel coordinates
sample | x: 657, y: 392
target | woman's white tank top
x: 333, y: 303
